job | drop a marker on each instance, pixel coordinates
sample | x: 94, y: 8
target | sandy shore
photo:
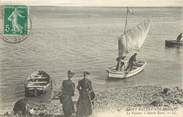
x: 116, y: 99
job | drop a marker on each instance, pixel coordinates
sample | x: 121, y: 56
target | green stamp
x: 15, y: 20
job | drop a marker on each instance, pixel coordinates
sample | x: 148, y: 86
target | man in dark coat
x: 131, y: 62
x: 68, y: 88
x: 84, y: 104
x: 179, y: 37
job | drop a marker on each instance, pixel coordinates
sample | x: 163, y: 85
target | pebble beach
x: 117, y: 100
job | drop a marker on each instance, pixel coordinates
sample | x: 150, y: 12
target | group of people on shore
x: 86, y: 96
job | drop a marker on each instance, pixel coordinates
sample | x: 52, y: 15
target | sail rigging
x: 136, y: 36
x: 128, y: 11
x: 133, y: 38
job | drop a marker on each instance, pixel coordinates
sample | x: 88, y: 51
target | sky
x: 153, y: 3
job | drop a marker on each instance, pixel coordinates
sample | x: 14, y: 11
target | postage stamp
x: 16, y: 23
x: 15, y: 20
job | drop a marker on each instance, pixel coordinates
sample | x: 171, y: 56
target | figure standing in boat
x: 120, y: 63
x: 179, y: 37
x: 131, y: 62
x: 175, y: 43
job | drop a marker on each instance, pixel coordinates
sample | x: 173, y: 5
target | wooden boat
x: 173, y: 43
x: 137, y: 68
x: 130, y: 42
x: 38, y: 83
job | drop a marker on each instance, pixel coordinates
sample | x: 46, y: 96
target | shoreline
x: 115, y: 99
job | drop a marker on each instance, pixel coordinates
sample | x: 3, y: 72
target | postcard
x: 83, y: 58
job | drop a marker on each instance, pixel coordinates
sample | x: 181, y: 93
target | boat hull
x: 173, y: 43
x: 112, y: 73
x: 37, y: 91
x: 38, y: 83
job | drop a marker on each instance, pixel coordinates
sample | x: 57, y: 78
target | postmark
x: 16, y: 23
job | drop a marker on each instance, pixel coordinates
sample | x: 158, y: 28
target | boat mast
x: 120, y: 53
x: 126, y: 21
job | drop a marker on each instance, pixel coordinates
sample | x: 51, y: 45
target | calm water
x: 86, y: 39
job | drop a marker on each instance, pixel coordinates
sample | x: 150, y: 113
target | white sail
x: 133, y: 38
x: 136, y: 36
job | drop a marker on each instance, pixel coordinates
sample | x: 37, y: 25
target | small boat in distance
x: 174, y: 43
x: 130, y: 42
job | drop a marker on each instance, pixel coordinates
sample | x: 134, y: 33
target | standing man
x: 131, y: 62
x: 68, y: 88
x: 86, y: 96
x: 120, y: 63
x: 179, y: 37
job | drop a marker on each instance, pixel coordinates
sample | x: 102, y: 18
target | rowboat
x: 38, y: 83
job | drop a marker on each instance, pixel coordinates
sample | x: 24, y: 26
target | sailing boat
x: 130, y: 42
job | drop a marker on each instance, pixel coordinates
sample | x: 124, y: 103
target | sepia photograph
x: 91, y: 58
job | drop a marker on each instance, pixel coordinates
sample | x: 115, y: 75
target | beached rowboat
x: 38, y: 83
